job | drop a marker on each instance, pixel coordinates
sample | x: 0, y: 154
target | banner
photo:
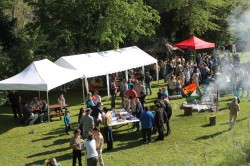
x: 191, y: 92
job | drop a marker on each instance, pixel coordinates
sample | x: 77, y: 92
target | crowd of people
x: 35, y: 111
x: 176, y: 72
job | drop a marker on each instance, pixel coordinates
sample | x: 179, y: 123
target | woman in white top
x: 92, y: 155
x: 61, y: 100
x: 96, y: 98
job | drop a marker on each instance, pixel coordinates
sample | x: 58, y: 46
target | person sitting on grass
x: 67, y: 121
x: 51, y: 162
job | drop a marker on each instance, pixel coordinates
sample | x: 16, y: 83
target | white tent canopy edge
x: 41, y: 75
x: 107, y: 62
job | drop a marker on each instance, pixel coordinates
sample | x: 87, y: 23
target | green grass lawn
x: 192, y: 141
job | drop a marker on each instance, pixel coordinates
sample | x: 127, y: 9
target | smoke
x: 239, y: 27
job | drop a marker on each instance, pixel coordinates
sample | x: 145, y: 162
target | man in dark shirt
x: 14, y: 100
x: 95, y: 113
x: 137, y: 113
x: 148, y: 79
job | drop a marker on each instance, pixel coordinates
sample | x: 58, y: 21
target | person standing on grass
x: 141, y: 92
x: 14, y: 100
x: 107, y: 120
x: 76, y: 145
x: 99, y: 144
x: 234, y: 107
x: 87, y: 122
x: 113, y: 91
x: 147, y: 121
x: 168, y: 110
x: 123, y: 89
x: 148, y: 79
x: 96, y: 113
x: 92, y: 155
x: 137, y: 113
x: 159, y: 121
x: 96, y: 98
x: 67, y: 121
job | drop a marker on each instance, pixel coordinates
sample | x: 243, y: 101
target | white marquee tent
x: 107, y: 62
x: 41, y: 75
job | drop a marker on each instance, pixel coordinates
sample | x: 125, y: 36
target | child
x: 67, y: 121
x: 178, y: 85
x: 159, y: 94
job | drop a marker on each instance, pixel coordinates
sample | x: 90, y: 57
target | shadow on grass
x: 127, y: 141
x: 44, y: 138
x: 181, y: 115
x: 221, y: 109
x: 58, y: 158
x: 58, y: 142
x: 48, y: 152
x: 7, y: 123
x: 210, y: 136
x: 226, y: 100
x: 206, y: 125
x: 237, y: 121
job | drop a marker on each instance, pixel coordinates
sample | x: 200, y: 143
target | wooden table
x: 56, y: 110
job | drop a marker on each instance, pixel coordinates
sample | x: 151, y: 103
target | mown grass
x: 192, y: 141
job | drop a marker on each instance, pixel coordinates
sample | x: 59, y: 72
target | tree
x: 76, y: 26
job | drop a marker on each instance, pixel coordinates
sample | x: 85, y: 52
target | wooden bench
x: 60, y: 114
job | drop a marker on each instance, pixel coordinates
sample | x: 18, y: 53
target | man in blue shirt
x: 147, y: 121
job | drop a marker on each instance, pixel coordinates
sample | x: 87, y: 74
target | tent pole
x: 143, y: 70
x: 87, y: 85
x: 157, y: 72
x: 39, y: 96
x: 107, y: 78
x: 83, y: 91
x: 48, y: 106
x: 126, y: 75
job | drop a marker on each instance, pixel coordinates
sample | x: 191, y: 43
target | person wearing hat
x: 67, y: 121
x: 234, y: 107
x: 88, y: 122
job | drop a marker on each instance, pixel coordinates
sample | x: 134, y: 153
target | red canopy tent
x: 194, y: 43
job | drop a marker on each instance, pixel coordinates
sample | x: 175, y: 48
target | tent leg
x: 143, y: 70
x: 107, y: 78
x: 48, y: 106
x: 83, y: 91
x: 87, y: 85
x: 157, y: 72
x: 39, y: 95
x: 126, y: 75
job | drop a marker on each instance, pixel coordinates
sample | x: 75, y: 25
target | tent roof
x: 106, y: 62
x: 194, y: 43
x: 41, y: 75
